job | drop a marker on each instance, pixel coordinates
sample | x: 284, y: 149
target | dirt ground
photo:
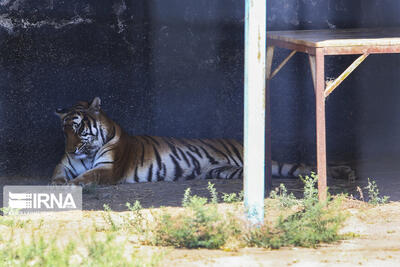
x: 378, y: 243
x: 378, y: 228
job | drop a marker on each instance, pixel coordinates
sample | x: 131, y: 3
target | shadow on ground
x: 165, y: 193
x: 385, y: 173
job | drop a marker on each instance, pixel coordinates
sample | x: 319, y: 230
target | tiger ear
x: 95, y: 105
x: 61, y: 112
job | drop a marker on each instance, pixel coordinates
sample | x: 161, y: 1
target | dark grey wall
x: 54, y: 53
x: 175, y: 68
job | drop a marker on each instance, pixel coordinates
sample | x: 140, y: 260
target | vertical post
x: 254, y: 108
x: 320, y: 121
x: 268, y: 170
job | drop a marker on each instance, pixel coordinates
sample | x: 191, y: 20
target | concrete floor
x: 385, y: 172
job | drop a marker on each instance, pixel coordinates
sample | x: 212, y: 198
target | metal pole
x: 320, y: 121
x: 268, y: 166
x: 254, y: 109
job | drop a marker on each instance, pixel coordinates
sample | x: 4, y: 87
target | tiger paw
x: 78, y: 181
x: 73, y: 182
x: 59, y: 181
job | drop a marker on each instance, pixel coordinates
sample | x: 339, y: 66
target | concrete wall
x: 175, y: 68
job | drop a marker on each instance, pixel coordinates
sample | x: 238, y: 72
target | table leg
x: 268, y: 170
x: 320, y: 121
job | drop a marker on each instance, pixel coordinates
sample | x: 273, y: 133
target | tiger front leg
x: 59, y: 176
x: 94, y: 176
x: 58, y: 181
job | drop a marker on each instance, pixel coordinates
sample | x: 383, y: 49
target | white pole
x: 254, y: 109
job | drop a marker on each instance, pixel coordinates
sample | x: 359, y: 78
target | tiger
x: 99, y: 151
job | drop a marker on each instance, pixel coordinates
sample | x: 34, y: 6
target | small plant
x: 104, y: 253
x: 109, y: 253
x: 313, y: 225
x: 373, y: 194
x: 8, y: 211
x: 138, y: 223
x: 8, y: 218
x: 135, y: 218
x: 186, y: 197
x: 285, y: 200
x: 98, y: 252
x: 316, y: 222
x: 109, y: 219
x: 38, y: 252
x: 232, y: 197
x: 213, y: 193
x: 263, y: 236
x: 310, y: 191
x: 7, y: 221
x: 200, y: 225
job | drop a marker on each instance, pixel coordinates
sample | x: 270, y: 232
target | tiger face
x: 81, y: 128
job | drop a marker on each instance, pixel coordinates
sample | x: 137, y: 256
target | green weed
x: 285, y: 200
x: 138, y: 223
x: 314, y: 223
x: 135, y: 219
x: 200, y: 225
x: 9, y: 218
x: 373, y: 194
x: 213, y: 193
x: 92, y: 251
x: 232, y: 197
x: 38, y: 252
x: 114, y: 226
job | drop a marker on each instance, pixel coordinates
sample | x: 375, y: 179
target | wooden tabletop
x: 334, y: 37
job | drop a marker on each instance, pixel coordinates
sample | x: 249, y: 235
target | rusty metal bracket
x: 269, y: 77
x: 270, y: 56
x: 332, y: 85
x: 311, y: 59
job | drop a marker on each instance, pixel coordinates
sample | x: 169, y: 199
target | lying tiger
x: 97, y: 150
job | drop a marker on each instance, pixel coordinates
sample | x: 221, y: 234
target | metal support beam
x: 268, y: 167
x: 320, y: 121
x: 282, y: 64
x: 311, y: 58
x: 254, y: 109
x: 332, y: 86
x: 270, y: 57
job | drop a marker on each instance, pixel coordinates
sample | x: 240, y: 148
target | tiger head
x: 85, y: 128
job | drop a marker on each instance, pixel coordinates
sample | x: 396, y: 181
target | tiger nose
x: 73, y: 149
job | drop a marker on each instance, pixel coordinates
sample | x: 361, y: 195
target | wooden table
x: 317, y: 44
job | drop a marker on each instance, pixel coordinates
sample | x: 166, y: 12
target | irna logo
x: 29, y: 199
x: 41, y: 200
